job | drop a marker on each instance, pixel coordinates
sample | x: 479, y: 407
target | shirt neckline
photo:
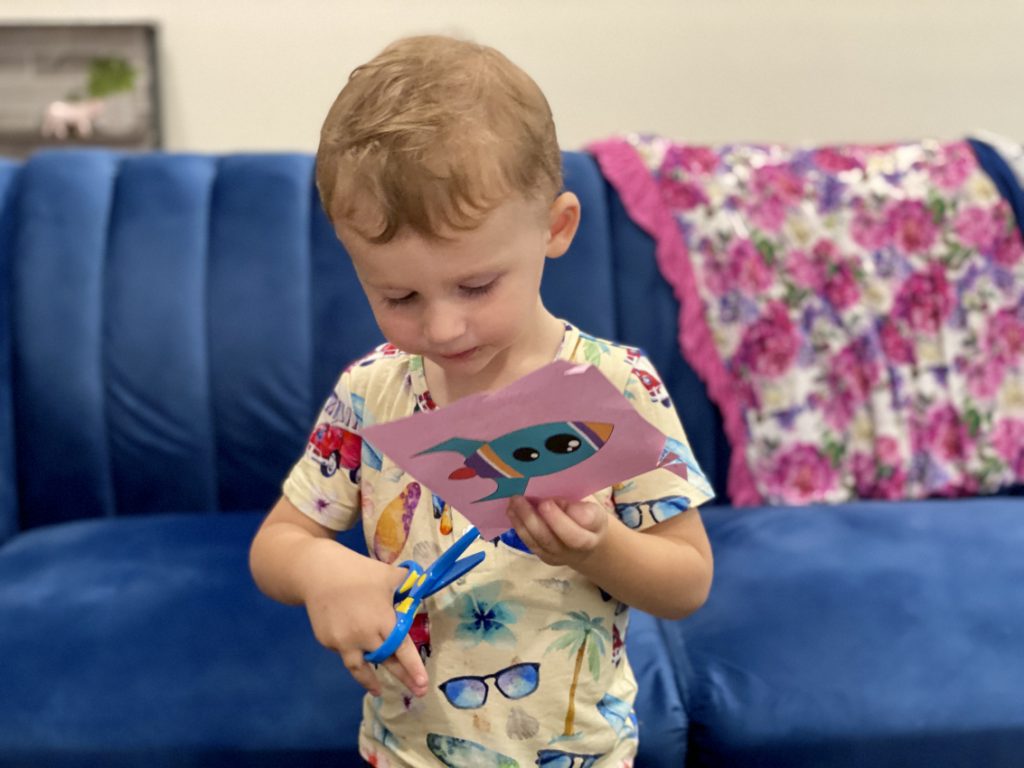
x: 418, y: 378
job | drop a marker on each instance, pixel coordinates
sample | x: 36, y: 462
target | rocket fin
x: 508, y: 487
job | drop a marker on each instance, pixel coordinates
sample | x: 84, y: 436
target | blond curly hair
x: 431, y: 135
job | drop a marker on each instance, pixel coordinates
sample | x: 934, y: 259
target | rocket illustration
x: 511, y: 460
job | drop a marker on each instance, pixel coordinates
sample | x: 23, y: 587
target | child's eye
x: 477, y: 290
x: 400, y: 301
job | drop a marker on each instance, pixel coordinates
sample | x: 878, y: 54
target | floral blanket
x: 857, y: 312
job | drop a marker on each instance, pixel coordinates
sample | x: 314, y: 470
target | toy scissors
x: 420, y: 584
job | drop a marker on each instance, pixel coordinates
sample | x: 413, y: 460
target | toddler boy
x: 441, y: 172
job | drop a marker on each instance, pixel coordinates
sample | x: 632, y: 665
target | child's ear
x: 563, y: 221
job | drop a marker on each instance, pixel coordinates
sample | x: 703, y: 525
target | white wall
x: 260, y: 74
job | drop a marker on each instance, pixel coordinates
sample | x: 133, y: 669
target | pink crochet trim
x: 623, y: 168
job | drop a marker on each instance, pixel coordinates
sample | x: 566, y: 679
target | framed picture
x: 78, y: 85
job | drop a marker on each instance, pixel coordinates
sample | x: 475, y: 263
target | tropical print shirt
x: 526, y: 660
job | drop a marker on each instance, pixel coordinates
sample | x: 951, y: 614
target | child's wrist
x: 595, y: 559
x: 320, y: 559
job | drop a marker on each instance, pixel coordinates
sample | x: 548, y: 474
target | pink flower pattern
x: 924, y: 301
x: 911, y: 226
x: 769, y: 344
x: 875, y: 345
x: 802, y: 473
x: 1008, y: 439
x: 747, y: 266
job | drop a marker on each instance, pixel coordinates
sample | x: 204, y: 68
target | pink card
x: 561, y: 431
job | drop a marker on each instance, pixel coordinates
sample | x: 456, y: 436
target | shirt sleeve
x: 661, y: 493
x: 324, y: 483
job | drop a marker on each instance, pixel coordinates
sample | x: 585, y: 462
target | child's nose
x: 444, y: 324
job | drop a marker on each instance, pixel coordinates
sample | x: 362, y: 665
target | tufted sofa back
x: 169, y: 325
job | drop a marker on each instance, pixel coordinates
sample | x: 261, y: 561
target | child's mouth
x: 460, y: 355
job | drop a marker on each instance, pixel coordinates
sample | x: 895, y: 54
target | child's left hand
x: 559, y: 532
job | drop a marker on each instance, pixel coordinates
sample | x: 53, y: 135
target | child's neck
x: 536, y: 350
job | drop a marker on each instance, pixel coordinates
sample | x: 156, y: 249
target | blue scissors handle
x: 405, y: 612
x: 419, y: 584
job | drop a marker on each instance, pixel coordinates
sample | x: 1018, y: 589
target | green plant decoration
x: 108, y: 76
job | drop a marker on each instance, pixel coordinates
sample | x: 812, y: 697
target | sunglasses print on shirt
x: 659, y: 509
x: 470, y: 691
x: 555, y: 758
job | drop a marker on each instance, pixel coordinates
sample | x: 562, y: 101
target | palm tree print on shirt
x: 582, y: 635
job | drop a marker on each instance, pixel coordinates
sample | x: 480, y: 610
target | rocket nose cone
x: 601, y: 429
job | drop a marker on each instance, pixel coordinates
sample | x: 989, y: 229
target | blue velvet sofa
x: 169, y: 325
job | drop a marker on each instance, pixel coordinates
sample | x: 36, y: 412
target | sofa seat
x: 829, y: 638
x: 865, y: 634
x: 171, y: 657
x: 168, y: 653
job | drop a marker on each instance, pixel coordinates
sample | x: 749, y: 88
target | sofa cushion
x: 8, y: 497
x: 872, y: 633
x: 204, y: 309
x: 658, y: 658
x: 143, y: 641
x: 125, y: 637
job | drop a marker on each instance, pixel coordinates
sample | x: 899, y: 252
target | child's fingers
x: 361, y: 670
x: 407, y: 666
x: 564, y: 527
x: 527, y: 539
x: 518, y: 509
x: 515, y: 511
x: 516, y: 519
x: 532, y: 528
x: 585, y: 515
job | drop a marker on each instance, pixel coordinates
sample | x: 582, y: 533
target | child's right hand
x: 351, y: 608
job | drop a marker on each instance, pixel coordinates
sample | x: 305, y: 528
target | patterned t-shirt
x: 526, y: 660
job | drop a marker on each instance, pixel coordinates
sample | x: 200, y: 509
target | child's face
x: 469, y: 303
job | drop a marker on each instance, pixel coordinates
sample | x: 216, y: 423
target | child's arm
x: 664, y: 570
x: 349, y: 597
